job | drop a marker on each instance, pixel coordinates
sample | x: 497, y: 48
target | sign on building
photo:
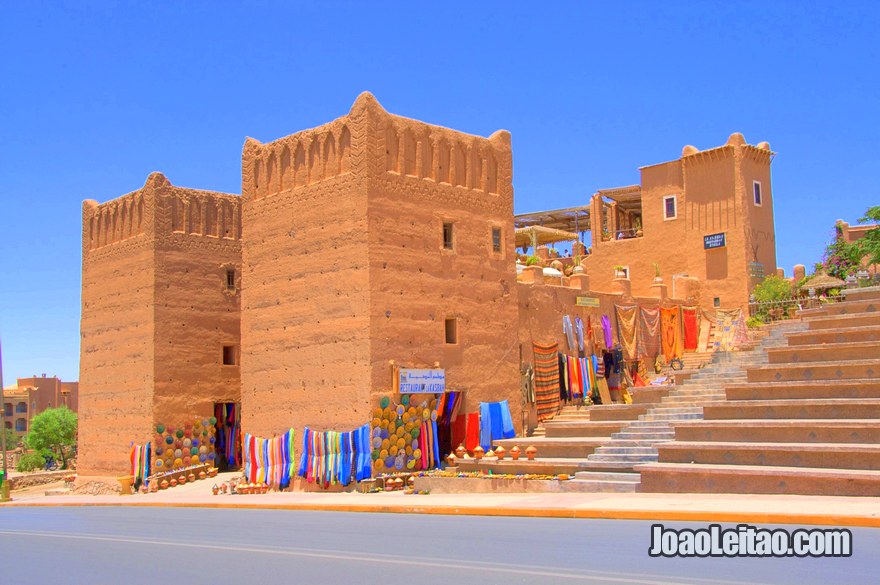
x: 714, y: 241
x: 422, y: 381
x: 587, y: 301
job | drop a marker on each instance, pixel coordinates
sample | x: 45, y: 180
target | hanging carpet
x: 546, y: 380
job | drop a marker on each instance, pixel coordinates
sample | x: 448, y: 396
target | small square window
x: 756, y: 190
x: 451, y: 331
x: 670, y: 209
x: 228, y: 355
x: 716, y: 301
x: 230, y: 279
x: 496, y: 240
x: 447, y: 235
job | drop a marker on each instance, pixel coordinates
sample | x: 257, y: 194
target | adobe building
x: 371, y: 241
x: 707, y: 215
x: 160, y: 315
x: 31, y: 396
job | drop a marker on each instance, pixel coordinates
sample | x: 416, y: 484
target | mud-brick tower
x: 369, y: 240
x: 160, y: 315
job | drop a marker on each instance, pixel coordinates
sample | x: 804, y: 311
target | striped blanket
x: 546, y: 380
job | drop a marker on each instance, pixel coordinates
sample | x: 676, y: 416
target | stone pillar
x: 780, y: 272
x: 800, y: 272
x: 533, y: 275
x: 543, y: 252
x: 660, y: 290
x: 579, y: 281
x: 622, y: 285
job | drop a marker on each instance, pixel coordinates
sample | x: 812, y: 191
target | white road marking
x: 588, y: 576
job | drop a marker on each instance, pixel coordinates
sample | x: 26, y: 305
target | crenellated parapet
x: 158, y: 210
x: 371, y: 142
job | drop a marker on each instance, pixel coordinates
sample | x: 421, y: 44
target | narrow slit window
x: 228, y: 355
x: 670, y: 209
x: 230, y: 279
x: 496, y: 240
x: 451, y: 331
x: 756, y: 188
x: 447, y: 235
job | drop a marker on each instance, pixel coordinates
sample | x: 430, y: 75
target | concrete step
x: 863, y: 294
x: 855, y: 369
x: 843, y: 321
x: 844, y: 352
x: 756, y: 479
x: 781, y: 431
x: 835, y: 335
x: 793, y: 390
x: 608, y: 476
x: 682, y: 399
x: 617, y: 412
x: 574, y: 447
x: 672, y: 417
x: 837, y: 408
x: 827, y: 455
x: 644, y: 458
x: 615, y: 449
x: 648, y: 394
x: 541, y: 465
x: 639, y: 440
x: 854, y: 307
x: 598, y: 486
x: 639, y: 437
x: 587, y: 428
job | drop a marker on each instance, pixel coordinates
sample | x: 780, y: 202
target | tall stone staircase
x: 806, y: 421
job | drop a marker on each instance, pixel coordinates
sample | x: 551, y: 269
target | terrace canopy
x: 572, y: 219
x: 537, y: 235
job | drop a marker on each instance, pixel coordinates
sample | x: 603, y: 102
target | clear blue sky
x: 96, y: 96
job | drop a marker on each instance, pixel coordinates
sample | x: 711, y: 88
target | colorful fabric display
x: 564, y: 382
x: 648, y: 346
x: 606, y: 332
x: 140, y: 464
x: 527, y: 385
x: 670, y: 329
x: 568, y: 329
x: 691, y: 327
x: 579, y: 332
x: 472, y: 436
x: 495, y: 423
x: 330, y: 458
x: 731, y: 326
x: 269, y: 461
x: 229, y: 438
x: 546, y: 380
x: 627, y: 329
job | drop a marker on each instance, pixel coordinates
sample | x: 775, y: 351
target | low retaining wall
x: 19, y: 482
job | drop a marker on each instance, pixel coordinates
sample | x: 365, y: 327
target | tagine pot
x: 531, y: 451
x: 215, y: 490
x: 478, y: 452
x: 500, y: 451
x: 163, y: 485
x: 514, y: 452
x: 460, y: 451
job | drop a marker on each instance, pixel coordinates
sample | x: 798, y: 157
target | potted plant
x: 657, y: 278
x: 619, y: 272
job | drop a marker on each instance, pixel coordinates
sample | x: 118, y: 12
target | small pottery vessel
x: 500, y: 451
x: 514, y: 452
x: 460, y: 451
x: 215, y: 490
x: 154, y: 486
x: 173, y: 482
x: 181, y: 480
x: 202, y: 475
x: 410, y: 481
x: 212, y: 472
x: 223, y: 488
x: 191, y: 477
x: 450, y: 459
x: 478, y: 452
x: 531, y: 451
x: 163, y: 485
x: 489, y: 453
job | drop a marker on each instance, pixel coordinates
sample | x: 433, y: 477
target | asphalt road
x: 128, y: 545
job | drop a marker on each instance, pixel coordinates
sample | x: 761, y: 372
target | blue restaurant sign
x: 714, y: 241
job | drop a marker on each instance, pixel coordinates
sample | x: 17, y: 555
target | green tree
x: 870, y: 243
x: 842, y: 258
x: 772, y: 288
x: 53, y: 431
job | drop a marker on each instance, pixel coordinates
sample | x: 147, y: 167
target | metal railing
x: 769, y: 311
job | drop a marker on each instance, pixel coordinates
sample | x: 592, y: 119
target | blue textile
x: 495, y: 423
x: 485, y: 426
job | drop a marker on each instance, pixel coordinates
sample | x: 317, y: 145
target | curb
x: 604, y: 514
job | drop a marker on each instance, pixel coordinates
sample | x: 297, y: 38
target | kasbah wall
x: 714, y: 192
x: 341, y: 271
x: 346, y: 274
x: 155, y: 314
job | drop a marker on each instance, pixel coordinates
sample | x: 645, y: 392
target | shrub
x: 754, y: 322
x: 532, y: 260
x: 30, y: 462
x: 773, y: 288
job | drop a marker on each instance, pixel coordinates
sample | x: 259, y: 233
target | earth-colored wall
x: 305, y: 298
x: 117, y: 331
x: 431, y: 176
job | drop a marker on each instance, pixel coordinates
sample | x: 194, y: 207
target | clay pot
x: 460, y: 451
x: 212, y: 472
x: 223, y: 488
x: 514, y: 452
x: 173, y: 482
x: 154, y: 487
x: 215, y: 490
x: 450, y: 460
x: 499, y: 453
x: 191, y: 477
x: 531, y: 451
x: 163, y: 485
x: 181, y: 480
x: 410, y: 481
x: 202, y: 475
x: 489, y: 453
x: 478, y: 452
